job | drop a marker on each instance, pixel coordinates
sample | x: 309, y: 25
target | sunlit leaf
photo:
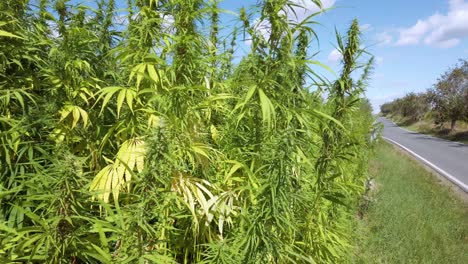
x: 8, y: 34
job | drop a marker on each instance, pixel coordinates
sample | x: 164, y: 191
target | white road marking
x: 447, y: 175
x: 407, y: 130
x: 428, y: 136
x: 403, y: 128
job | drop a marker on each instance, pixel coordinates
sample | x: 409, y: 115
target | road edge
x: 440, y: 171
x: 427, y: 135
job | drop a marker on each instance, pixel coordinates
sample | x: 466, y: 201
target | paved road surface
x: 447, y: 157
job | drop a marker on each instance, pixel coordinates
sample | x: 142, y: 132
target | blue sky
x: 413, y: 42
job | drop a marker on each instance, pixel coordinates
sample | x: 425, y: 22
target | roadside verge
x: 411, y: 217
x: 447, y: 175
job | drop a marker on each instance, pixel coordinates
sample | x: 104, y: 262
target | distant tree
x: 412, y: 106
x: 386, y: 109
x: 449, y: 96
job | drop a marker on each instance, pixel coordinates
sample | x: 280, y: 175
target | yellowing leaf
x: 196, y: 194
x: 153, y: 73
x: 124, y: 94
x: 129, y: 96
x: 76, y: 116
x: 153, y: 121
x: 100, y: 180
x: 139, y: 71
x: 237, y: 165
x: 109, y: 180
x: 140, y: 163
x: 250, y: 93
x: 76, y: 112
x: 8, y: 34
x: 84, y: 116
x: 58, y: 135
x: 120, y: 100
x: 117, y: 176
x: 200, y: 149
x: 268, y: 111
x: 107, y: 93
x: 214, y: 133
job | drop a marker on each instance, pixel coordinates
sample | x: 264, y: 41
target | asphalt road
x: 447, y: 157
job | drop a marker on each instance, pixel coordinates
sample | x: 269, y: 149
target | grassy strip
x: 411, y: 218
x: 460, y: 134
x: 426, y: 127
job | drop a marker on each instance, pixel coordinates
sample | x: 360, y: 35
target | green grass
x: 412, y: 218
x: 427, y: 126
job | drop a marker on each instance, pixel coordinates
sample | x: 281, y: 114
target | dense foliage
x: 412, y: 106
x: 446, y: 101
x: 449, y: 96
x: 134, y: 138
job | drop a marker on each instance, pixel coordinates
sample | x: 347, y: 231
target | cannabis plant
x: 132, y: 136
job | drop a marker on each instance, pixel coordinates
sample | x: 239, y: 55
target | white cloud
x: 413, y: 35
x: 54, y: 32
x: 384, y: 38
x: 379, y: 76
x: 440, y: 30
x: 295, y: 13
x: 365, y: 27
x: 263, y: 27
x: 379, y: 60
x: 306, y: 8
x: 386, y: 97
x: 382, y: 98
x: 334, y: 56
x: 399, y: 83
x: 445, y: 43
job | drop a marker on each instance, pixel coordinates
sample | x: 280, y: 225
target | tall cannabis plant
x: 134, y: 138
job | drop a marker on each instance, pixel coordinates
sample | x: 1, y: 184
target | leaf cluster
x: 143, y: 142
